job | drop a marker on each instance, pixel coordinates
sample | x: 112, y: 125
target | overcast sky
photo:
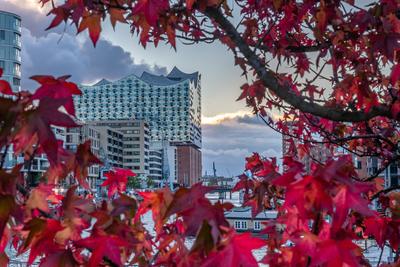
x: 230, y: 132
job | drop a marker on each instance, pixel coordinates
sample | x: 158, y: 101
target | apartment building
x: 124, y: 144
x: 79, y: 135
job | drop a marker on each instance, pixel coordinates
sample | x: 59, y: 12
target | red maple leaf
x: 116, y: 180
x: 158, y: 202
x: 81, y: 161
x: 103, y: 246
x: 75, y: 216
x: 236, y: 252
x: 38, y: 198
x: 349, y: 198
x: 92, y: 22
x: 5, y: 87
x: 36, y: 126
x: 40, y: 238
x: 57, y: 88
x: 116, y: 14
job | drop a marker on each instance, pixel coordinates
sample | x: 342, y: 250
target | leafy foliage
x: 329, y: 69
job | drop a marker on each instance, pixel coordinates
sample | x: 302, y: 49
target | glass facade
x: 10, y: 48
x: 170, y: 104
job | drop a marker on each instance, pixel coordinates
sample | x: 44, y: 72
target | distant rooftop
x: 174, y: 77
x: 102, y: 82
x: 245, y: 213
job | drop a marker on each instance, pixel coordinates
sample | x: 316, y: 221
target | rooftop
x: 245, y: 213
x: 174, y: 77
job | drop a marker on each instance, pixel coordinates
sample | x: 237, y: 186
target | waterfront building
x: 10, y: 48
x: 170, y: 104
x: 241, y: 219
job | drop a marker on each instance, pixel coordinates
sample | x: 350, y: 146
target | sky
x: 230, y: 131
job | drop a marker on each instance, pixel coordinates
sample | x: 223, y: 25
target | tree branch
x: 384, y: 191
x: 283, y: 91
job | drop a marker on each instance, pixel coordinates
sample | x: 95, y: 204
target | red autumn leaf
x: 38, y: 198
x: 124, y: 205
x: 395, y: 75
x: 7, y: 207
x: 35, y: 126
x: 74, y: 212
x: 103, y: 246
x: 332, y: 253
x: 349, y: 198
x: 116, y: 180
x: 151, y: 9
x: 40, y: 237
x: 57, y: 88
x: 158, y: 202
x: 91, y: 22
x: 189, y: 4
x: 64, y: 258
x: 395, y: 109
x: 236, y: 252
x: 314, y: 195
x: 61, y: 14
x: 5, y: 88
x: 81, y: 161
x: 116, y: 14
x: 213, y: 214
x: 185, y: 198
x: 376, y: 226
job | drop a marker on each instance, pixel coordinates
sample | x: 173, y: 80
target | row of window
x: 242, y: 225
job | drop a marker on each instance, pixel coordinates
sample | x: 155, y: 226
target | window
x: 2, y: 64
x: 240, y: 225
x: 359, y: 165
x: 257, y: 225
x: 16, y: 81
x: 17, y: 69
x: 2, y: 34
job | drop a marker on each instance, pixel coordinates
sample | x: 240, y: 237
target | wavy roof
x: 175, y: 76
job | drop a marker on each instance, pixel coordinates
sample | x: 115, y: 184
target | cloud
x: 229, y: 138
x: 33, y: 16
x: 76, y: 57
x: 236, y: 152
x: 217, y: 119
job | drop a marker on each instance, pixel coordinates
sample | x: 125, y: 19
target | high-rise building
x: 170, y: 104
x: 188, y: 165
x: 163, y: 163
x: 10, y: 48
